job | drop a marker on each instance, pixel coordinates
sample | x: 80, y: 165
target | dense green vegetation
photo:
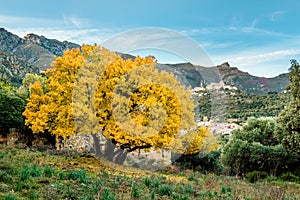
x: 255, y: 147
x: 288, y: 130
x: 12, y: 105
x: 238, y: 106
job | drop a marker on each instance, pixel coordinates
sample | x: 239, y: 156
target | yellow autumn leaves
x: 130, y: 102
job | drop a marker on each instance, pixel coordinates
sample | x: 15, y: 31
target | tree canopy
x: 254, y: 147
x: 129, y: 101
x: 288, y: 130
x: 11, y: 107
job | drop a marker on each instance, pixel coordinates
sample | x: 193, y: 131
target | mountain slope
x: 198, y: 75
x: 35, y: 50
x: 32, y: 53
x: 52, y: 45
x: 39, y: 51
x: 14, y: 69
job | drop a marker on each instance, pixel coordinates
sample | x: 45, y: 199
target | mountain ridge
x: 39, y: 52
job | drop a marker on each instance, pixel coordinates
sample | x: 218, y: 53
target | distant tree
x: 288, y: 130
x: 259, y: 130
x: 29, y: 80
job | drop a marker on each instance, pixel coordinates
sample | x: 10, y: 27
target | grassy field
x: 30, y: 174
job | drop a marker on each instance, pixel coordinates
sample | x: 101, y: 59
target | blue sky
x: 259, y: 37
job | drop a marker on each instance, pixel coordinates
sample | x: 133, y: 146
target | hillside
x: 35, y: 50
x: 30, y: 52
x: 54, y: 46
x: 14, y: 69
x: 238, y: 106
x: 39, y: 51
x: 31, y: 174
x: 197, y: 75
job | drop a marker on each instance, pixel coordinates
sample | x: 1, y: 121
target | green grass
x: 30, y: 174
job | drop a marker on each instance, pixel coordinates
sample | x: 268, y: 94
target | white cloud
x: 68, y: 28
x: 263, y: 57
x: 266, y: 63
x: 275, y: 15
x: 254, y: 23
x: 80, y: 36
x: 76, y: 22
x: 17, y: 21
x: 159, y: 39
x: 263, y: 63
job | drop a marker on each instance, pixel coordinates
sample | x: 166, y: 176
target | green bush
x: 259, y: 130
x: 135, y: 191
x: 255, y: 148
x: 188, y: 189
x: 5, y: 178
x: 256, y: 176
x: 35, y: 171
x: 210, y: 163
x: 48, y: 171
x: 289, y: 177
x: 25, y: 173
x: 9, y: 197
x: 33, y: 195
x: 147, y: 181
x: 81, y: 176
x: 165, y: 189
x: 107, y: 195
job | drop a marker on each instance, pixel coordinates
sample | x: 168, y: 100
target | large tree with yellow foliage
x: 129, y: 101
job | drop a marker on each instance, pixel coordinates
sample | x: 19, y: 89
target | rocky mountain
x: 198, y: 75
x: 33, y: 53
x: 54, y: 46
x: 35, y: 50
x: 14, y: 69
x: 30, y: 52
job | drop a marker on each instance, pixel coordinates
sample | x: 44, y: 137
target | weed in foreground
x: 48, y: 171
x: 165, y: 189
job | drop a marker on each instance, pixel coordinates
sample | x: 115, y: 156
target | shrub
x: 5, y: 178
x: 71, y: 194
x: 107, y: 195
x: 48, y: 171
x: 165, y: 189
x: 289, y: 177
x: 188, y: 189
x: 147, y: 181
x: 209, y: 163
x: 254, y: 147
x: 33, y: 195
x: 135, y: 192
x: 256, y: 176
x: 35, y: 171
x: 157, y: 183
x: 25, y: 173
x: 81, y: 176
x: 243, y: 157
x: 9, y: 197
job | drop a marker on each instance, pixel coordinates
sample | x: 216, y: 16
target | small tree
x: 29, y: 80
x: 288, y: 130
x: 259, y: 130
